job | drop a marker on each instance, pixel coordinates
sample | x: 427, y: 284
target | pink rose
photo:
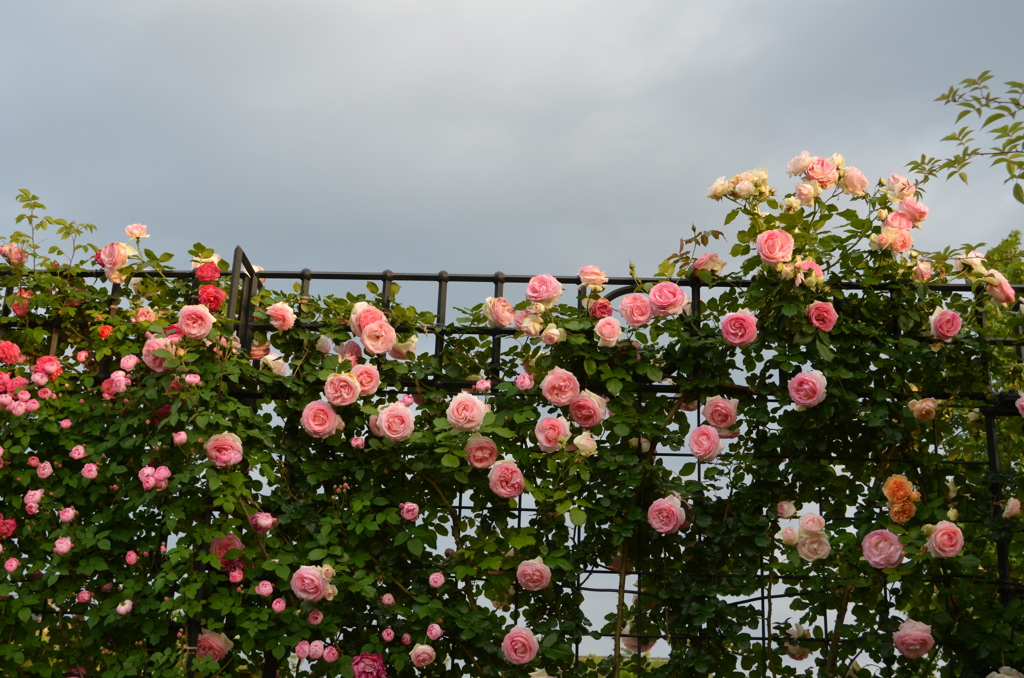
x: 520, y: 646
x: 560, y: 387
x: 350, y: 351
x: 387, y: 600
x: 822, y: 315
x: 320, y: 420
x: 705, y: 443
x: 775, y: 246
x: 799, y: 164
x: 112, y: 257
x: 179, y: 438
x: 308, y: 583
x: 369, y: 665
x: 709, y: 261
x: 945, y: 541
x: 899, y: 240
x: 999, y: 288
x: 524, y: 382
x: 599, y: 308
x: 212, y: 297
x: 899, y: 221
x: 362, y: 315
x: 922, y: 271
x: 434, y: 631
x: 914, y: 210
x: 422, y: 655
x: 368, y: 378
x: 45, y: 470
x: 404, y: 350
x: 224, y: 449
x: 129, y: 362
x: 882, y: 549
x: 854, y: 182
x: 506, y: 480
x: 331, y: 654
x: 264, y: 588
x: 499, y: 312
x: 740, y: 328
x: 945, y: 325
x: 281, y: 316
x: 720, y: 412
x: 131, y: 557
x: 302, y: 649
x: 213, y: 645
x: 786, y: 509
x: 409, y: 510
x: 66, y: 515
x: 195, y: 322
x: 278, y: 605
x: 342, y: 389
x: 924, y: 409
x: 378, y: 337
x: 156, y: 343
x: 897, y: 187
x: 543, y: 289
x: 262, y: 522
x: 636, y: 309
x: 589, y: 409
x: 913, y: 639
x: 551, y: 432
x: 124, y: 608
x: 481, y: 451
x: 1012, y: 509
x: 528, y: 323
x: 62, y: 546
x: 808, y: 389
x: 90, y: 471
x: 533, y: 575
x: 11, y: 564
x: 551, y: 334
x: 666, y: 515
x: 667, y: 299
x: 84, y: 596
x: 593, y: 276
x: 316, y: 649
x: 396, y: 422
x: 811, y: 523
x: 221, y: 546
x: 813, y: 547
x: 436, y: 580
x: 823, y: 171
x: 608, y: 331
x: 315, y: 617
x: 466, y: 412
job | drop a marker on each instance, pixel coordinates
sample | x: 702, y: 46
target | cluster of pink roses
x: 746, y: 185
x: 317, y: 649
x: 154, y: 478
x: 808, y: 537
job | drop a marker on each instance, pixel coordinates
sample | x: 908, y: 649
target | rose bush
x: 341, y: 469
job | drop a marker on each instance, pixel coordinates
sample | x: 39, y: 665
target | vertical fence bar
x: 499, y: 291
x: 1002, y: 546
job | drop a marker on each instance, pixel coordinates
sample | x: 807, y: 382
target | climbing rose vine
x: 179, y: 495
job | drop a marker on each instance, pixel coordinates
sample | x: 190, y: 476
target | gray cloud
x: 467, y: 136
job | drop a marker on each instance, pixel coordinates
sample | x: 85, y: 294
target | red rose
x: 105, y: 331
x: 212, y: 297
x: 208, y: 272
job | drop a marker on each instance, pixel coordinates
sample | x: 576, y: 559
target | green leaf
x: 415, y: 547
x: 824, y: 351
x: 590, y: 365
x: 614, y: 386
x: 578, y: 517
x: 1018, y: 192
x: 450, y: 460
x: 317, y: 554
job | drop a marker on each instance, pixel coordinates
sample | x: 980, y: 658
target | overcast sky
x: 471, y: 136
